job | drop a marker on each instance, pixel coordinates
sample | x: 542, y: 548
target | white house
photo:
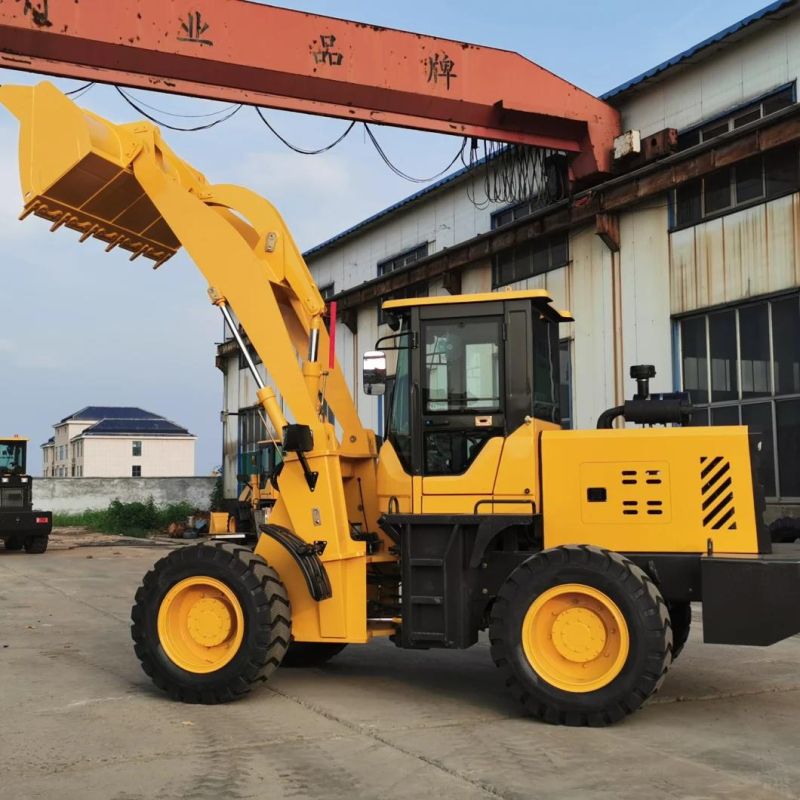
x: 118, y: 442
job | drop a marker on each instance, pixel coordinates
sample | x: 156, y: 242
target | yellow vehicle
x: 580, y: 551
x: 255, y: 501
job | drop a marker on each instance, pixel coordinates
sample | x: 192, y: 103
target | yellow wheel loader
x: 579, y: 551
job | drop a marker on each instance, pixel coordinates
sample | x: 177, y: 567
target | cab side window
x: 461, y: 391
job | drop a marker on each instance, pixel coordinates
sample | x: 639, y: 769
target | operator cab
x: 13, y: 452
x: 471, y: 369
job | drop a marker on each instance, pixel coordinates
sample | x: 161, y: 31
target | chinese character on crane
x: 194, y: 28
x: 40, y: 14
x: 327, y: 55
x: 441, y: 67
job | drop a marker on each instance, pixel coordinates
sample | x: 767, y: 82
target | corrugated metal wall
x: 755, y: 65
x: 751, y: 252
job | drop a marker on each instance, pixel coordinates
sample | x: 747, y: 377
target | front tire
x: 209, y: 622
x: 582, y: 636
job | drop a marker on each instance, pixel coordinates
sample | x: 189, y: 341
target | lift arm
x: 123, y: 185
x: 262, y: 55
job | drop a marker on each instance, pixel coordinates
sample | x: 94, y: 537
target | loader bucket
x: 75, y: 171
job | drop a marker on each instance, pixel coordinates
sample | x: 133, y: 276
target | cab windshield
x: 12, y: 457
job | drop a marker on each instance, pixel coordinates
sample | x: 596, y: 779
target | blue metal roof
x: 111, y: 412
x: 772, y: 8
x: 717, y: 38
x: 141, y: 427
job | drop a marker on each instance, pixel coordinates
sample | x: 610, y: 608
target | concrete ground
x: 79, y: 719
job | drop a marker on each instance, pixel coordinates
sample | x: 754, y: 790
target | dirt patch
x: 73, y: 538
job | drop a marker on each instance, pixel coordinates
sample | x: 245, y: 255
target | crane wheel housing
x: 582, y: 635
x: 209, y: 621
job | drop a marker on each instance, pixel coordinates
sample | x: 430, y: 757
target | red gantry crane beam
x: 262, y: 55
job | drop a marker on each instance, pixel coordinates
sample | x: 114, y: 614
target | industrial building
x: 688, y: 258
x: 118, y: 442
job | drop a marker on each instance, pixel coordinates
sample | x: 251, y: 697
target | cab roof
x: 539, y: 296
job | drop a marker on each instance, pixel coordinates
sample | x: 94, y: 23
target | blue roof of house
x: 111, y: 412
x: 615, y: 93
x: 139, y: 427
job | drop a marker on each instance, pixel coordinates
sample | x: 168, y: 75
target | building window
x: 404, y: 259
x: 756, y: 180
x: 515, y: 212
x: 565, y: 386
x: 250, y: 349
x: 743, y: 116
x: 418, y: 290
x: 532, y: 258
x: 741, y: 365
x: 252, y: 430
x: 136, y: 448
x: 327, y: 291
x: 136, y: 471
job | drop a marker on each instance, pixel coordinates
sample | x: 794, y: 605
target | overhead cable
x: 140, y: 105
x: 300, y: 149
x: 163, y: 124
x: 216, y: 113
x: 397, y: 171
x: 81, y: 90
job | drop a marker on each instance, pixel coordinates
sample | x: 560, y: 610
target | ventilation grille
x: 646, y: 477
x: 628, y: 492
x: 12, y: 498
x: 717, y: 493
x: 652, y: 508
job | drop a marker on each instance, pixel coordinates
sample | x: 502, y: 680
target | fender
x: 307, y: 557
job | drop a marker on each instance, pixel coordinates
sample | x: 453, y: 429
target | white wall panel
x: 644, y: 270
x: 593, y: 341
x: 758, y: 63
x: 745, y: 254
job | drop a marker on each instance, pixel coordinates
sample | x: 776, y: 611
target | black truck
x: 20, y: 525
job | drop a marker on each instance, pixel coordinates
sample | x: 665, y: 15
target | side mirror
x: 374, y: 372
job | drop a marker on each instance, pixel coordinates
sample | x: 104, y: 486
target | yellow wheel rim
x: 575, y: 638
x: 200, y: 624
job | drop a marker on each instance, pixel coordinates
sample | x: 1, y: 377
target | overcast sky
x: 80, y: 327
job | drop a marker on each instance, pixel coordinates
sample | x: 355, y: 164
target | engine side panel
x: 664, y: 490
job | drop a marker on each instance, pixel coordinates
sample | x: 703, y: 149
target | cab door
x: 461, y: 406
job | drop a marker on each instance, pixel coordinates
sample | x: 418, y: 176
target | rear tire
x: 680, y: 615
x: 36, y: 544
x: 311, y: 654
x: 581, y: 635
x: 210, y: 621
x: 785, y: 530
x: 13, y: 543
